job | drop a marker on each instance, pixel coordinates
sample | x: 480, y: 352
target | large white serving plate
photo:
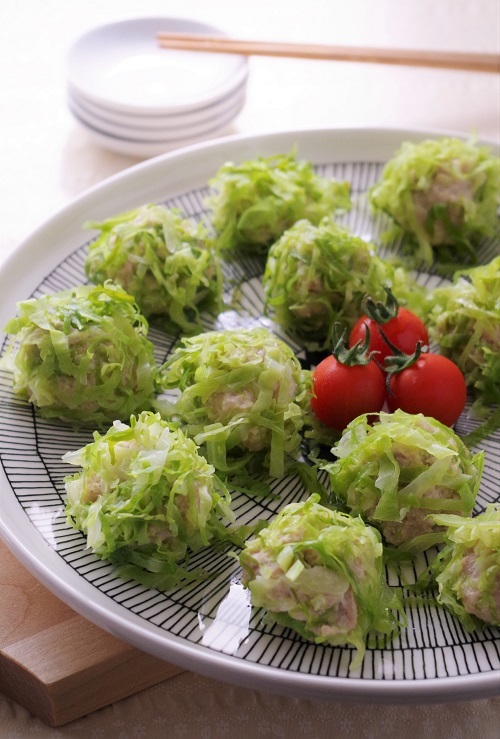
x: 211, y: 628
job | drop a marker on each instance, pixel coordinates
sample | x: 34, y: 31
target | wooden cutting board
x: 57, y: 664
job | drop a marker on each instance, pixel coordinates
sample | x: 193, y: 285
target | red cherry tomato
x: 404, y: 330
x: 342, y: 392
x: 433, y: 385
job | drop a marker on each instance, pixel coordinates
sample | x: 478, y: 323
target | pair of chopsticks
x: 471, y: 62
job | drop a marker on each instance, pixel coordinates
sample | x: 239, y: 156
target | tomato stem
x: 381, y: 312
x: 399, y: 361
x: 355, y: 355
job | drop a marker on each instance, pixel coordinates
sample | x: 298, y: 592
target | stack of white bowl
x: 136, y: 98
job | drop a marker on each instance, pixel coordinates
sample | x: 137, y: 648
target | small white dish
x: 144, y: 148
x: 156, y: 121
x: 121, y: 66
x: 158, y: 136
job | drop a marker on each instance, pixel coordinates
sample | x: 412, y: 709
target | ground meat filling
x: 446, y: 190
x: 322, y: 597
x: 224, y: 406
x: 472, y: 596
x: 415, y: 522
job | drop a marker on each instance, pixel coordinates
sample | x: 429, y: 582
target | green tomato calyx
x: 354, y: 355
x: 381, y: 312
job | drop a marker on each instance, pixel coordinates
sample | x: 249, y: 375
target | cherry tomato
x: 342, y: 392
x: 433, y: 385
x: 404, y: 330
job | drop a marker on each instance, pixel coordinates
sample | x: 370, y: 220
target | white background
x: 46, y: 159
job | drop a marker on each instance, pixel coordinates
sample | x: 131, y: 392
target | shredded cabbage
x: 257, y: 200
x: 465, y: 323
x: 82, y: 355
x: 443, y: 194
x: 398, y: 470
x: 468, y: 568
x: 320, y: 572
x: 144, y: 498
x: 166, y: 262
x: 244, y: 398
x: 316, y: 276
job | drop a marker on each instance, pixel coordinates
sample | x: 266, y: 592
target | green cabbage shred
x: 145, y: 498
x: 256, y: 201
x: 444, y: 195
x: 464, y: 321
x: 82, y: 355
x: 166, y: 262
x: 244, y: 398
x: 467, y: 570
x: 317, y: 276
x: 320, y: 572
x: 396, y: 471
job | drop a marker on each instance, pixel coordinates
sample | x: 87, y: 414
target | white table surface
x: 46, y: 160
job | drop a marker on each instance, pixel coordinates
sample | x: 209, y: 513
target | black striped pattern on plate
x: 217, y: 615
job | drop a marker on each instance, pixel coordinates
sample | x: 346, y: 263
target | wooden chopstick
x: 473, y: 62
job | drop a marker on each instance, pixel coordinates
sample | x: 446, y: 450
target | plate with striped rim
x: 211, y: 627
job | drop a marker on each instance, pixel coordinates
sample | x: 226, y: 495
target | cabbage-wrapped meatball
x: 257, y: 200
x: 398, y: 470
x: 243, y: 397
x: 465, y: 322
x: 165, y: 261
x: 469, y: 567
x: 443, y: 194
x: 320, y: 573
x: 83, y: 355
x: 316, y: 276
x: 144, y: 497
